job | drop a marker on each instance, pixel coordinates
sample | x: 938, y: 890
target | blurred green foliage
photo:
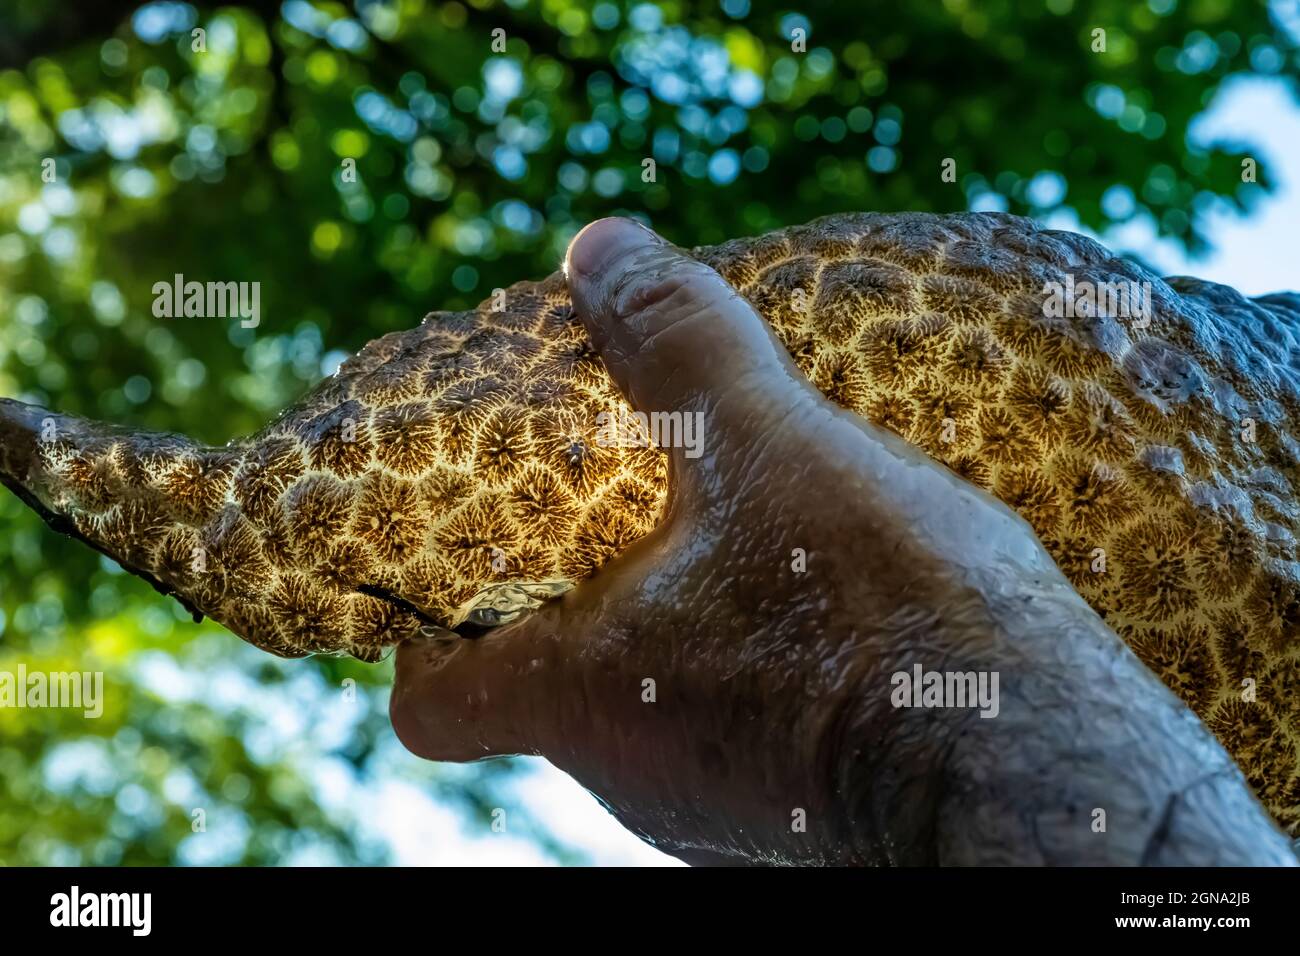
x: 483, y: 135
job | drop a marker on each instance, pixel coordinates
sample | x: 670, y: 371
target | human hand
x: 725, y: 684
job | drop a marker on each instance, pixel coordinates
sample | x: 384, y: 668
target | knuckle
x: 663, y: 290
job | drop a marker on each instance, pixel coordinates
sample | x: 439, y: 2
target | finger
x: 460, y: 699
x: 528, y: 687
x: 673, y: 333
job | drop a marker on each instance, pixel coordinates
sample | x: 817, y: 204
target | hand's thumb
x: 674, y: 335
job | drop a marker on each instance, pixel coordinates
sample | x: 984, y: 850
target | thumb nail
x: 602, y: 243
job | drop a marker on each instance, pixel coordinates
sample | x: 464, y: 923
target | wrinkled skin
x: 772, y: 685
